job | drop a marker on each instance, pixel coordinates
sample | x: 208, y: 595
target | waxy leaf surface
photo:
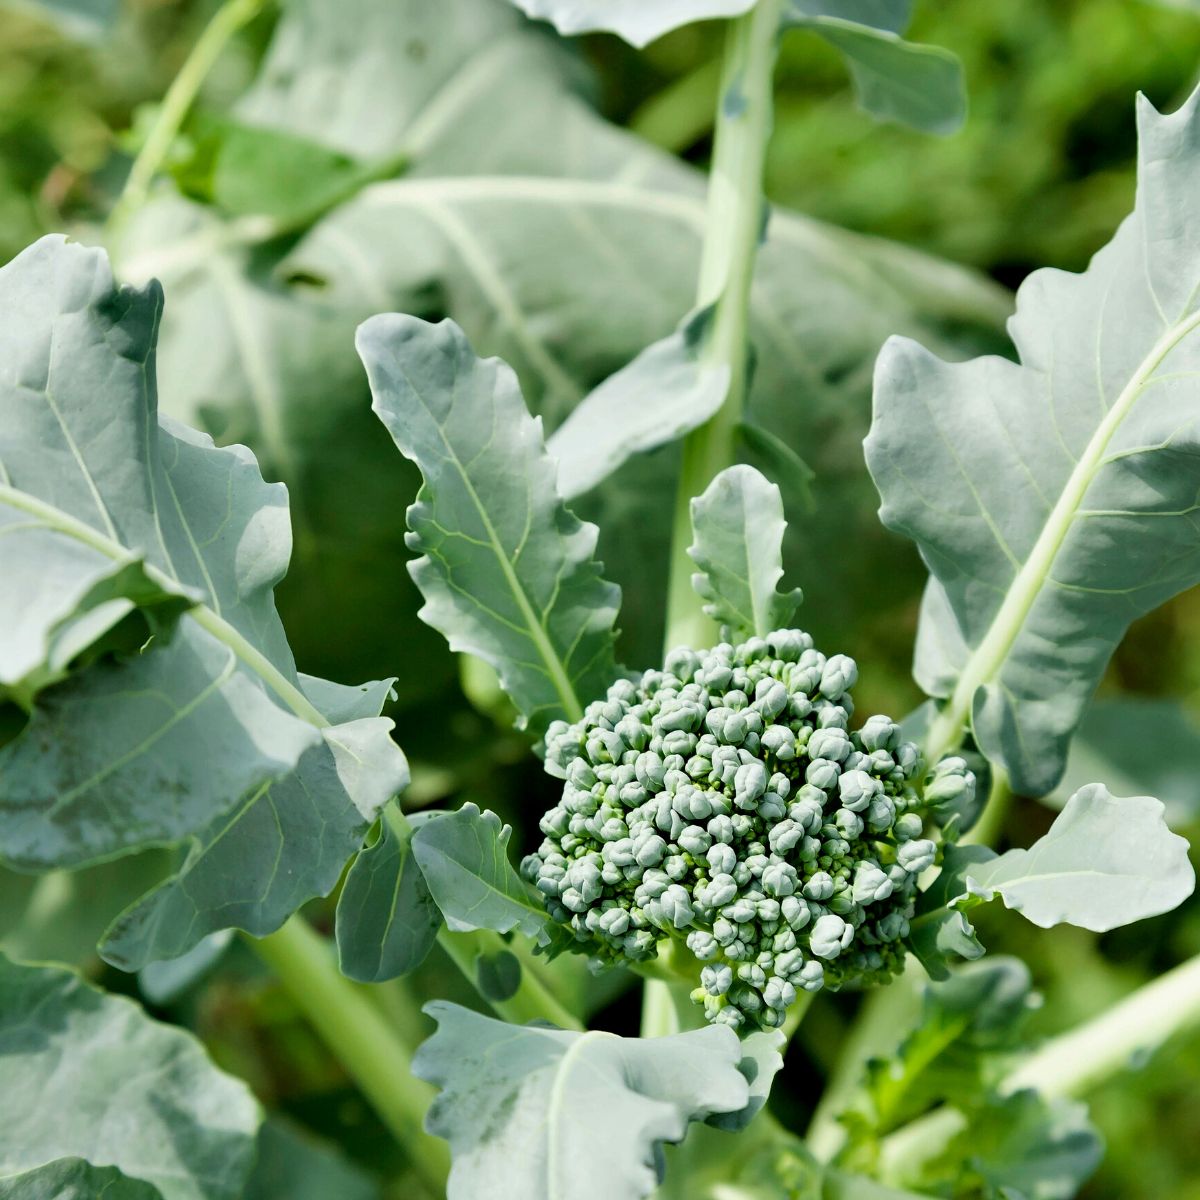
x: 1106, y: 861
x: 90, y: 1076
x: 507, y: 571
x: 738, y: 528
x: 387, y: 919
x: 534, y: 1113
x: 1055, y: 499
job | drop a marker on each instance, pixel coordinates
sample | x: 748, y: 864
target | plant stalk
x: 361, y: 1038
x: 733, y: 228
x: 176, y: 104
x: 1123, y: 1036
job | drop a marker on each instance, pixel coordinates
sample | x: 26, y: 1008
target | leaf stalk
x: 733, y: 228
x: 365, y: 1043
x: 177, y: 103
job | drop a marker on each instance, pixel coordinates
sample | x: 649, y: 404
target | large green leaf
x: 1106, y: 861
x: 738, y: 528
x: 284, y: 844
x: 205, y: 730
x: 507, y: 572
x: 142, y: 749
x: 1021, y: 1148
x: 959, y: 1047
x: 522, y: 229
x: 75, y: 1179
x: 533, y: 1113
x: 1035, y: 583
x: 80, y: 473
x: 90, y: 1076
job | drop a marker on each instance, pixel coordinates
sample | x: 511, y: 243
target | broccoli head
x: 723, y: 804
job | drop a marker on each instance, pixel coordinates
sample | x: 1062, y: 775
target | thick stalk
x: 664, y: 1008
x: 361, y: 1038
x: 1124, y: 1035
x: 733, y: 227
x: 176, y: 104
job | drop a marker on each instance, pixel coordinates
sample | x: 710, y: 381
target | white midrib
x: 545, y: 649
x: 987, y: 660
x: 555, y: 1105
x: 201, y: 613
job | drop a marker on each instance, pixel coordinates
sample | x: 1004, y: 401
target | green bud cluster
x: 724, y: 802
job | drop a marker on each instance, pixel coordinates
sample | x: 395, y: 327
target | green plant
x: 727, y: 827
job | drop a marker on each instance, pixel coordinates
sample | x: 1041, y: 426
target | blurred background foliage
x: 1041, y: 175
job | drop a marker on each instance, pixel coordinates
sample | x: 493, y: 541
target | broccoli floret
x: 723, y: 803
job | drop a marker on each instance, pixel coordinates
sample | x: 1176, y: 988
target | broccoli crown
x: 724, y: 802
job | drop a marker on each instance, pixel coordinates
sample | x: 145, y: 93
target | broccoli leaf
x: 206, y: 729
x: 738, y: 528
x: 956, y: 1051
x: 257, y: 864
x: 762, y: 1060
x: 533, y: 1113
x: 639, y: 22
x: 1021, y: 1147
x: 90, y: 1076
x: 463, y: 857
x: 296, y: 1165
x: 662, y: 394
x: 165, y: 981
x: 80, y: 473
x: 254, y: 344
x: 895, y: 80
x: 1035, y: 584
x: 1106, y: 861
x: 387, y: 919
x: 162, y: 741
x: 507, y: 571
x: 75, y: 1179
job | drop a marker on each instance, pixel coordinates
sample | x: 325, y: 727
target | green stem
x: 682, y: 113
x: 885, y: 1014
x: 532, y: 1001
x: 1075, y: 1062
x: 733, y: 227
x: 364, y: 1042
x: 660, y: 1013
x: 173, y: 111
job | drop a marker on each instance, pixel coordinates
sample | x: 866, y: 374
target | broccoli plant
x: 717, y: 836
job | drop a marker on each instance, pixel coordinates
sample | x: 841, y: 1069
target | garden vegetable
x: 722, y: 810
x: 729, y: 827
